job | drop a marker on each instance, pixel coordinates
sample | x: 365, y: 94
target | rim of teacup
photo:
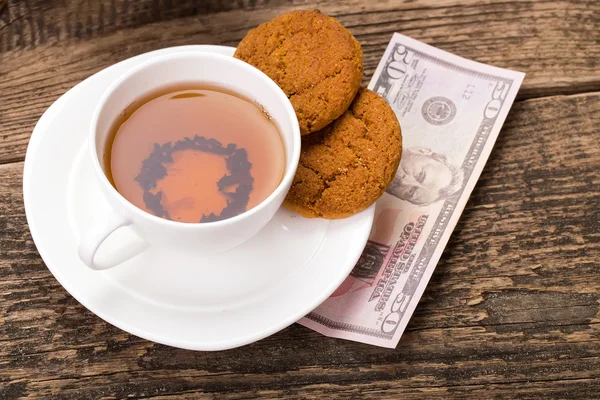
x: 288, y: 176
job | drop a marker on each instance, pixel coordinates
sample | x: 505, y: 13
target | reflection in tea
x: 194, y: 154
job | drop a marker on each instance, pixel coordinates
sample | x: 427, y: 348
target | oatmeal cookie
x: 347, y: 165
x: 313, y: 58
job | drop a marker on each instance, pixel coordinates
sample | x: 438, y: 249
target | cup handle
x: 94, y: 237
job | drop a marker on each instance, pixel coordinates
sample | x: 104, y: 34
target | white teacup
x: 196, y: 238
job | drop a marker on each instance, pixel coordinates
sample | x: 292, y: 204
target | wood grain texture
x: 512, y: 310
x: 46, y: 47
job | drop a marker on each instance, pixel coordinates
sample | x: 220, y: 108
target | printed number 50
x: 401, y: 59
x: 498, y: 95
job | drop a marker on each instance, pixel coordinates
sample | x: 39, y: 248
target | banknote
x: 451, y: 111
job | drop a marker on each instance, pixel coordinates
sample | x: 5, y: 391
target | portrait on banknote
x: 425, y: 177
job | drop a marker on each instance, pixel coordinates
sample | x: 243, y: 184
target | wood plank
x: 512, y: 311
x: 48, y: 47
x: 571, y: 389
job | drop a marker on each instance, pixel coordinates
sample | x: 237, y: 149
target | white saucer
x: 215, y: 303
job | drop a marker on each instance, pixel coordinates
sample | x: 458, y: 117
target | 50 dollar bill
x: 450, y: 110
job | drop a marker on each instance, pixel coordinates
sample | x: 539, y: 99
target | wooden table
x: 512, y: 310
